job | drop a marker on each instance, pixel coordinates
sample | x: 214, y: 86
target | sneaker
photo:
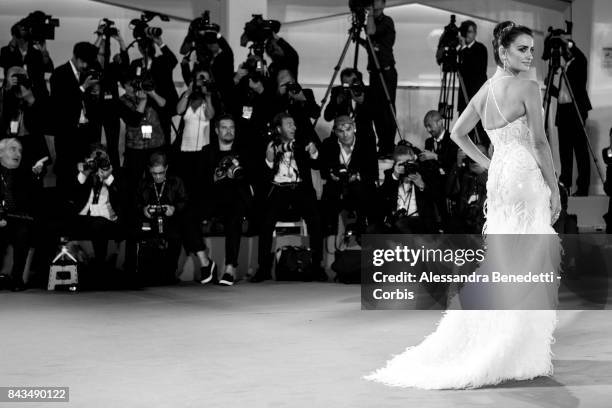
x: 208, y: 272
x: 227, y: 279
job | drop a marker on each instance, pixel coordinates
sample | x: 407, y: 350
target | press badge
x: 247, y: 112
x: 108, y: 96
x: 442, y: 172
x: 147, y: 131
x: 14, y: 127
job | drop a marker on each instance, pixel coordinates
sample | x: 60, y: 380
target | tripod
x: 354, y: 35
x: 450, y: 76
x: 554, y: 66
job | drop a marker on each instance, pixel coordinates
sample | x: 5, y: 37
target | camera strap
x: 160, y: 193
x: 406, y: 197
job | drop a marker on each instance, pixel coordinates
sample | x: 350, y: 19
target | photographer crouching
x: 350, y: 169
x: 161, y: 205
x: 289, y: 159
x: 407, y: 193
x: 19, y: 191
x: 223, y: 192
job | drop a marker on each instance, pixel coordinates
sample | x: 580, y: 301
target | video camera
x: 227, y: 169
x: 108, y: 28
x: 555, y: 45
x: 358, y: 9
x: 258, y: 31
x: 141, y: 29
x: 203, y: 30
x: 446, y: 54
x: 40, y: 26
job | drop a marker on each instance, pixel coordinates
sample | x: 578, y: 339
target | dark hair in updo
x: 504, y: 34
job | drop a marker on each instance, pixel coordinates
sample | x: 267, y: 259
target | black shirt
x: 383, y: 40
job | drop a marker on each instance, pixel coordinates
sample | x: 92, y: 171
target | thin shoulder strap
x: 496, y: 105
x: 486, y: 105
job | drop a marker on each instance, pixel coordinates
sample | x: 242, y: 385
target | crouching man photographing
x: 289, y: 161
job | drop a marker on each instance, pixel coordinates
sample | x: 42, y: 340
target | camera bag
x: 293, y: 263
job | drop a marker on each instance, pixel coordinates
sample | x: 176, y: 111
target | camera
x: 141, y: 29
x: 228, y: 169
x: 343, y: 174
x: 284, y: 147
x: 357, y: 88
x: 99, y: 161
x: 108, y: 28
x: 258, y: 30
x: 554, y: 44
x: 446, y: 54
x: 93, y: 74
x: 143, y: 83
x: 40, y: 26
x: 203, y: 30
x: 293, y: 88
x: 410, y: 167
x: 158, y: 212
x: 23, y: 80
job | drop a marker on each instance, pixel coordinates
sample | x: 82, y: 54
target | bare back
x: 499, y: 102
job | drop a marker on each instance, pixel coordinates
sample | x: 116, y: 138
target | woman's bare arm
x: 543, y: 155
x: 466, y: 122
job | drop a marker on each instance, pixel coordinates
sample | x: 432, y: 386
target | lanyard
x: 4, y: 183
x: 408, y: 194
x: 160, y: 193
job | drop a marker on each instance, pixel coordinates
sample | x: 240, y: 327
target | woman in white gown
x: 474, y: 348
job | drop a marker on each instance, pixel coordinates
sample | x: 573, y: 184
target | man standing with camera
x: 22, y: 51
x: 223, y: 192
x: 572, y: 138
x: 289, y: 159
x: 141, y: 110
x: 350, y: 169
x: 381, y: 30
x: 19, y: 196
x: 71, y: 84
x: 353, y: 99
x: 157, y: 71
x: 473, y: 62
x: 20, y: 117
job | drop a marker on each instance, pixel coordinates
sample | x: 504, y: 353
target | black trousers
x: 352, y: 197
x: 98, y: 230
x: 301, y: 198
x: 383, y: 118
x: 112, y: 126
x: 17, y: 233
x: 230, y: 205
x: 185, y: 165
x: 572, y: 142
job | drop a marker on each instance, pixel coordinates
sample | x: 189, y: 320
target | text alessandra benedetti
x: 492, y: 277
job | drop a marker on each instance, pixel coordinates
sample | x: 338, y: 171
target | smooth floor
x: 259, y: 345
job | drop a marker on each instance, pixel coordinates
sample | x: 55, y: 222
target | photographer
x: 298, y: 102
x: 350, y: 169
x: 197, y: 106
x: 161, y: 206
x: 381, y: 30
x: 283, y: 56
x: 572, y: 140
x: 223, y: 191
x: 19, y: 194
x: 23, y: 51
x: 111, y: 75
x: 289, y: 159
x: 214, y: 54
x: 607, y: 157
x: 352, y: 98
x: 443, y: 151
x: 20, y: 117
x: 141, y: 110
x: 407, y: 194
x: 472, y: 62
x: 467, y: 186
x: 71, y: 87
x: 157, y: 69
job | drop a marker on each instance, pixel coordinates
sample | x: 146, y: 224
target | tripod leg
x: 384, y: 85
x: 547, y: 99
x: 335, y: 74
x: 584, y: 131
